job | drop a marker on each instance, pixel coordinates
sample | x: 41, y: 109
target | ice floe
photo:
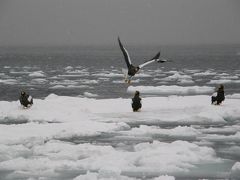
x: 63, y: 82
x: 206, y: 73
x: 108, y: 74
x: 123, y: 81
x: 186, y: 81
x: 88, y: 81
x: 37, y: 74
x: 39, y: 81
x: 180, y: 132
x: 19, y: 72
x: 8, y: 81
x: 233, y: 96
x: 68, y: 87
x: 172, y: 90
x: 224, y: 81
x: 68, y: 68
x: 177, y: 76
x: 62, y: 137
x: 88, y: 94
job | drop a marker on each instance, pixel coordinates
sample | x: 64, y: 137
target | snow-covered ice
x: 63, y: 138
x: 172, y: 90
x: 224, y: 81
x: 88, y: 94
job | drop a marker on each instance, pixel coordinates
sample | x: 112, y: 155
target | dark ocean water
x: 80, y: 71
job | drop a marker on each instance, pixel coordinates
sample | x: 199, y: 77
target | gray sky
x: 80, y: 22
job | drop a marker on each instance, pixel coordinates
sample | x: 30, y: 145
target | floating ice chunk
x: 71, y: 75
x: 225, y: 77
x: 8, y: 81
x: 186, y: 81
x: 97, y: 176
x: 147, y: 160
x: 235, y: 172
x: 109, y: 173
x: 223, y: 74
x: 179, y: 132
x: 233, y: 96
x: 177, y: 153
x: 221, y: 130
x: 166, y: 177
x: 172, y: 90
x: 88, y: 176
x: 224, y: 81
x: 223, y: 138
x: 88, y: 81
x: 191, y: 70
x: 54, y: 77
x: 76, y: 71
x: 69, y: 87
x: 57, y: 87
x: 37, y: 74
x: 177, y: 76
x: 104, y: 78
x: 119, y: 81
x: 39, y: 81
x: 51, y: 96
x: 42, y: 132
x: 19, y: 72
x: 108, y: 75
x: 68, y: 68
x: 88, y: 94
x: 63, y: 82
x: 206, y: 73
x: 14, y: 151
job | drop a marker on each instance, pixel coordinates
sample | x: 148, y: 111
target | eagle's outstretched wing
x: 154, y: 59
x: 125, y: 54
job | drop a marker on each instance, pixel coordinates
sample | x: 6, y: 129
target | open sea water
x: 97, y: 70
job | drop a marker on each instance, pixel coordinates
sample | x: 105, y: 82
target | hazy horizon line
x: 114, y: 44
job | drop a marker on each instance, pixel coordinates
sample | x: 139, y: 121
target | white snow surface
x: 172, y: 90
x: 63, y: 138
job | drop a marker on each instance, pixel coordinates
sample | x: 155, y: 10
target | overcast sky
x: 90, y: 22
